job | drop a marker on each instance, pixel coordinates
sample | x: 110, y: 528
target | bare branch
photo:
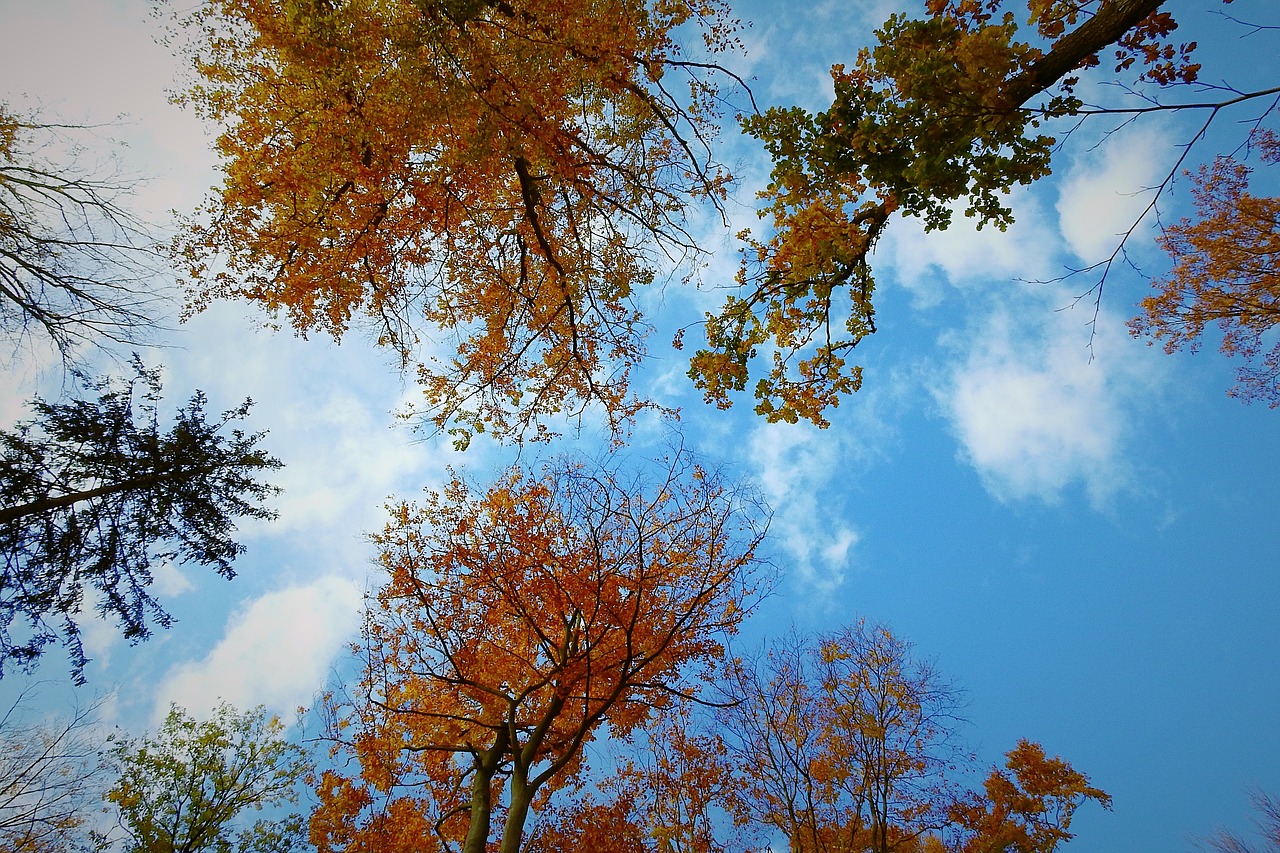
x: 77, y: 268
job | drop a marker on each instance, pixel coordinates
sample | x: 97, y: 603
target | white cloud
x: 168, y: 580
x: 800, y: 44
x: 98, y: 636
x: 924, y: 262
x: 101, y: 64
x: 1035, y: 413
x: 1105, y: 190
x: 798, y: 468
x: 328, y: 412
x: 275, y: 652
x: 97, y: 65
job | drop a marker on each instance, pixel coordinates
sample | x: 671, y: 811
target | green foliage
x: 922, y: 117
x: 943, y: 112
x: 188, y: 788
x: 919, y: 122
x: 95, y: 493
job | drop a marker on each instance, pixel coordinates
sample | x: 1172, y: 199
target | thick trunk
x: 486, y: 764
x: 522, y: 787
x: 1112, y: 20
x: 517, y: 815
x: 481, y: 809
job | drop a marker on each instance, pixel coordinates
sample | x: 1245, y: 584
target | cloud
x: 1034, y: 413
x: 964, y: 255
x: 327, y: 409
x: 113, y: 75
x: 98, y: 636
x: 1036, y: 403
x: 798, y: 469
x: 167, y: 580
x: 276, y: 651
x: 1104, y: 192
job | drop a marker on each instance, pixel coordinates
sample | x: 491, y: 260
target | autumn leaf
x: 516, y: 622
x: 1226, y: 272
x: 849, y: 741
x: 940, y: 111
x: 842, y: 741
x: 483, y: 186
x: 1028, y: 809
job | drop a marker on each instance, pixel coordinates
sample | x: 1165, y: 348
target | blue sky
x: 1084, y: 539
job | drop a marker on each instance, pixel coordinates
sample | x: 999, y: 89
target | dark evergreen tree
x: 95, y: 494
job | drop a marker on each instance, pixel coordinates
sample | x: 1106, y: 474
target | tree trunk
x: 145, y: 481
x: 1112, y: 20
x: 486, y: 764
x: 43, y: 505
x: 517, y: 814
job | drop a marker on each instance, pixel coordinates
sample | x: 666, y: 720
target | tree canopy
x: 843, y: 742
x: 189, y: 787
x: 51, y: 778
x: 847, y: 741
x: 96, y: 493
x: 950, y: 109
x: 485, y: 185
x: 518, y: 622
x: 77, y: 268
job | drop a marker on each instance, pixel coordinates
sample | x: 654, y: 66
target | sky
x: 1078, y: 529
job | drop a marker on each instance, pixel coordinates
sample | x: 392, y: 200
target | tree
x: 50, y: 780
x: 501, y: 174
x: 1268, y: 825
x: 76, y: 267
x: 847, y: 742
x: 844, y: 742
x: 95, y: 494
x: 673, y: 791
x: 189, y: 787
x: 942, y: 109
x: 517, y: 625
x: 1029, y: 811
x: 1226, y: 271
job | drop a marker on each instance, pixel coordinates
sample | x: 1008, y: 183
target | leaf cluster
x: 189, y: 787
x: 1226, y: 273
x: 941, y: 111
x: 484, y: 185
x: 1027, y: 809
